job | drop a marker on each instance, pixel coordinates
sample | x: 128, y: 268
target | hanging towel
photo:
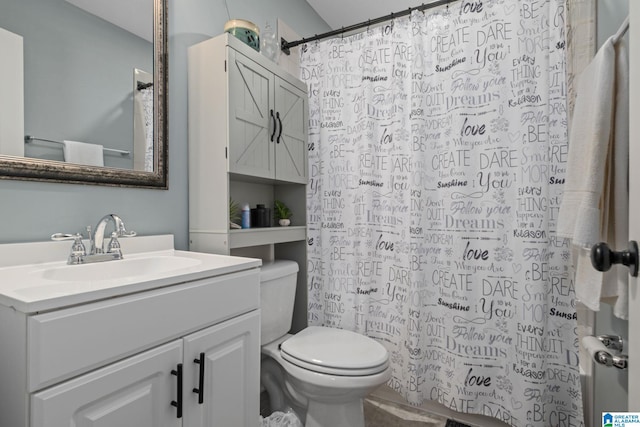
x: 595, y: 202
x: 83, y: 153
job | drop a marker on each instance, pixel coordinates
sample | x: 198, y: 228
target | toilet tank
x: 277, y: 295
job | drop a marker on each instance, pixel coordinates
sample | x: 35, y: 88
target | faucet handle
x: 78, y: 251
x: 114, y: 246
x: 65, y: 236
x: 78, y: 247
x: 122, y: 232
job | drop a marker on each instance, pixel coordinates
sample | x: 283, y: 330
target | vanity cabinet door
x: 135, y: 392
x: 231, y: 389
x: 251, y: 124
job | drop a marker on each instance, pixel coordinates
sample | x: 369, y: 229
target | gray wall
x: 32, y: 211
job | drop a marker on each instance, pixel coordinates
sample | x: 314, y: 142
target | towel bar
x: 29, y: 138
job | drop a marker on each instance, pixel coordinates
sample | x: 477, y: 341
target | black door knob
x: 602, y: 257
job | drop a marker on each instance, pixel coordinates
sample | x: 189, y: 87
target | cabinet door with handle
x: 291, y: 138
x: 252, y: 121
x: 229, y: 386
x: 135, y: 392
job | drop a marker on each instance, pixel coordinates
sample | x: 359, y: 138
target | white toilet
x: 322, y: 373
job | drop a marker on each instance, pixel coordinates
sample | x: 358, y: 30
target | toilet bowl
x: 322, y: 373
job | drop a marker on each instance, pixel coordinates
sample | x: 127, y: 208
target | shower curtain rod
x: 285, y: 45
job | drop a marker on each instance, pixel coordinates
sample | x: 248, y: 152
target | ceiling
x: 342, y: 13
x: 337, y: 13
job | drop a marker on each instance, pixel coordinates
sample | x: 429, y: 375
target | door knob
x: 602, y: 257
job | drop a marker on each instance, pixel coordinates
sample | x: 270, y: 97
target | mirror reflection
x: 87, y: 81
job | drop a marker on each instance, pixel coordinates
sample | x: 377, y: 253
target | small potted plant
x: 234, y: 214
x: 283, y: 213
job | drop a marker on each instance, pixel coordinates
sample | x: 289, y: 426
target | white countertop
x: 35, y: 277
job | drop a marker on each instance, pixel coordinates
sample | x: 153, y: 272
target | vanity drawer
x: 72, y: 341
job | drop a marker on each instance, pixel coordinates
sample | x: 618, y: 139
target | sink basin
x: 35, y: 277
x: 111, y: 270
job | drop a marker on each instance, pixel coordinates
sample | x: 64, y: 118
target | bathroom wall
x: 32, y: 211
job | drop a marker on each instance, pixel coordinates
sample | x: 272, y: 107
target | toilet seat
x: 335, y: 352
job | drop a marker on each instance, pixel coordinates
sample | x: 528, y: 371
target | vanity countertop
x: 35, y: 277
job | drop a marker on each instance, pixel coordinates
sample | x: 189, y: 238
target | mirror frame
x: 31, y: 169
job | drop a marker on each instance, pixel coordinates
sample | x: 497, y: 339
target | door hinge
x: 226, y: 153
x: 225, y: 65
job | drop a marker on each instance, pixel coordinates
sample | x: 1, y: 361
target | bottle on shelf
x: 246, y: 216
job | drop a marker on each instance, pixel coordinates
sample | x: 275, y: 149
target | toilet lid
x: 335, y: 351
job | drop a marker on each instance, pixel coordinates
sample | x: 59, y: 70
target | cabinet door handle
x: 200, y: 389
x: 178, y: 404
x: 275, y: 127
x: 280, y: 122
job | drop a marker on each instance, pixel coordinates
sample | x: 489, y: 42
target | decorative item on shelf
x: 246, y: 216
x: 283, y: 213
x: 234, y: 214
x: 246, y: 31
x: 260, y: 216
x: 269, y: 42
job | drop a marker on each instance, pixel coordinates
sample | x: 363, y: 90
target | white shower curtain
x: 438, y: 145
x: 143, y: 129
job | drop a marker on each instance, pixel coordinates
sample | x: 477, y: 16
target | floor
x: 381, y: 413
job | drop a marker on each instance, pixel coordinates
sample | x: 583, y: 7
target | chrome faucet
x: 97, y: 254
x: 97, y: 240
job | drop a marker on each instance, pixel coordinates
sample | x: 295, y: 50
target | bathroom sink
x: 35, y: 276
x: 113, y: 270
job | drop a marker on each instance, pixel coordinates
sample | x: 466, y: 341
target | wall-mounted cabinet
x: 248, y: 122
x: 267, y: 122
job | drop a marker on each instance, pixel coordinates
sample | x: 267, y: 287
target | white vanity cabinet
x: 137, y: 357
x: 139, y: 391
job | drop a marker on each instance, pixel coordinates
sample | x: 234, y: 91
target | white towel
x: 83, y: 153
x: 595, y: 202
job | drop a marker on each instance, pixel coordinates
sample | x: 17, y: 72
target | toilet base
x: 350, y: 414
x: 321, y: 400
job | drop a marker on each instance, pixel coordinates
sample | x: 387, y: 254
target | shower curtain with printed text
x: 438, y: 149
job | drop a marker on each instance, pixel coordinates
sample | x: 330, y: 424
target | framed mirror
x: 89, y: 74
